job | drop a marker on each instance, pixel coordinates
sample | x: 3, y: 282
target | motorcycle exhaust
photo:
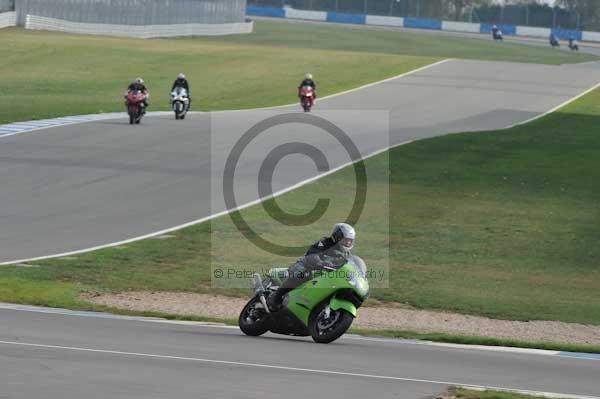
x: 260, y: 291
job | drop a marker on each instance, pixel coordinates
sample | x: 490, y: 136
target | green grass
x: 475, y: 340
x: 44, y: 74
x: 354, y: 38
x: 503, y: 224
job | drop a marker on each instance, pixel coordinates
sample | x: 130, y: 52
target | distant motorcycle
x: 497, y: 35
x: 573, y: 45
x: 554, y: 42
x: 135, y: 105
x: 180, y: 102
x: 307, y: 98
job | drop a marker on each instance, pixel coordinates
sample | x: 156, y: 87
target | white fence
x: 460, y: 27
x: 591, y: 36
x: 141, y: 32
x: 384, y: 21
x: 8, y: 19
x: 304, y: 14
x: 533, y: 32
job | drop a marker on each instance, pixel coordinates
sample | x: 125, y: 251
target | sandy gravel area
x: 381, y: 316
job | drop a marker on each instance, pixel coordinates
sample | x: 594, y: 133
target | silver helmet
x: 344, y: 234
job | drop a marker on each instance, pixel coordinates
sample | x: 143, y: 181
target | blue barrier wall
x: 565, y: 34
x: 420, y: 23
x: 265, y: 11
x: 346, y: 18
x: 506, y: 29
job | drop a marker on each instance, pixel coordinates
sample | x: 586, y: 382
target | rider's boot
x: 275, y: 300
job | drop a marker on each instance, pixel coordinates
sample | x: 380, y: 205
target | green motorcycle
x: 324, y: 307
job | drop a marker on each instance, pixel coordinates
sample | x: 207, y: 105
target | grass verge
x: 462, y: 393
x: 435, y: 337
x: 49, y: 74
x: 503, y: 224
x: 474, y: 340
x: 355, y: 38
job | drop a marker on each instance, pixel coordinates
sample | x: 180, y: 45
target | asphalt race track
x: 74, y: 187
x: 62, y: 356
x: 79, y: 186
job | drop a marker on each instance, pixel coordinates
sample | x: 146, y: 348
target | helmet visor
x: 347, y: 243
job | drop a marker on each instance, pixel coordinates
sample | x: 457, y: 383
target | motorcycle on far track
x: 180, y: 102
x: 324, y: 307
x: 135, y: 106
x: 307, y: 98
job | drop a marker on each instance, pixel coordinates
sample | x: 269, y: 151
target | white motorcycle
x: 180, y: 102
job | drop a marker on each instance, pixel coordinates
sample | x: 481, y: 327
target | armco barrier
x: 420, y: 23
x: 565, y: 34
x: 384, y: 21
x: 506, y: 29
x: 591, y: 36
x: 533, y: 32
x: 460, y: 27
x: 346, y: 18
x: 417, y: 23
x: 8, y: 19
x: 272, y: 12
x: 140, y: 32
x: 292, y: 13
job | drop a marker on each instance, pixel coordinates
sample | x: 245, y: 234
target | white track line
x: 355, y: 337
x: 569, y: 101
x: 350, y: 90
x: 295, y: 369
x: 281, y: 192
x: 207, y: 218
x: 80, y: 119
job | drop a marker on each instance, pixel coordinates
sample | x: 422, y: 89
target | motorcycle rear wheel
x: 325, y: 330
x: 252, y: 321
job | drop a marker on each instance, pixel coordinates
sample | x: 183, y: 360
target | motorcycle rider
x: 573, y: 43
x: 182, y: 82
x: 495, y: 32
x: 136, y: 85
x: 329, y: 252
x: 553, y: 40
x: 308, y: 81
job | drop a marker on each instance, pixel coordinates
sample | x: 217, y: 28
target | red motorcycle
x: 307, y: 97
x: 135, y: 105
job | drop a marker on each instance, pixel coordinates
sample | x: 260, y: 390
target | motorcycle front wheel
x: 253, y: 321
x: 324, y: 329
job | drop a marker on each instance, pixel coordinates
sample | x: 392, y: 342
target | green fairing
x: 305, y: 298
x: 337, y: 304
